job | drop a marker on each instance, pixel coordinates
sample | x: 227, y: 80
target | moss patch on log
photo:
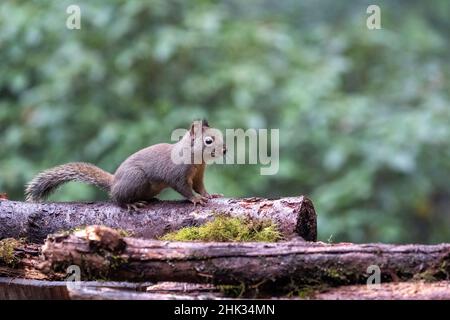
x: 228, y: 229
x: 233, y: 291
x: 122, y: 232
x: 7, y: 247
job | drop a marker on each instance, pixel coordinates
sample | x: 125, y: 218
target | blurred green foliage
x: 364, y: 115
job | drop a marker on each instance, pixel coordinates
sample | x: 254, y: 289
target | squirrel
x: 145, y: 173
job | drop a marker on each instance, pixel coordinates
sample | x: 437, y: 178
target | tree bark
x: 99, y: 292
x: 12, y: 288
x: 101, y: 253
x: 295, y: 216
x: 26, y: 289
x: 417, y: 290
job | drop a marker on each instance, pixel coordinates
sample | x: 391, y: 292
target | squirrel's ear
x: 200, y: 124
x: 193, y: 125
x: 191, y: 129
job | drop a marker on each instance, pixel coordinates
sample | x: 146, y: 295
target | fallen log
x: 417, y: 290
x: 89, y: 292
x: 102, y: 253
x: 294, y: 216
x: 24, y: 289
x: 411, y: 290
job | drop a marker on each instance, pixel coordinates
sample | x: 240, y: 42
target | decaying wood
x: 87, y: 292
x: 12, y: 288
x: 24, y: 263
x: 418, y: 290
x: 24, y: 289
x: 295, y: 216
x: 101, y: 252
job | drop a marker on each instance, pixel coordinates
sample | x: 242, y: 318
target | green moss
x: 224, y: 229
x: 305, y: 293
x: 335, y: 274
x: 7, y: 247
x: 445, y: 270
x: 116, y: 262
x: 234, y: 291
x: 125, y: 233
x: 427, y: 276
x: 441, y: 272
x: 122, y: 232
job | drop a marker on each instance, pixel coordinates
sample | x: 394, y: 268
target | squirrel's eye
x: 209, y: 140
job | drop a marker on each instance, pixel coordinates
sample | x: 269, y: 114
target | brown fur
x: 197, y: 180
x: 48, y: 181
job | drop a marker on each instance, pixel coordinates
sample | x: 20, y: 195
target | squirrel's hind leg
x: 136, y: 205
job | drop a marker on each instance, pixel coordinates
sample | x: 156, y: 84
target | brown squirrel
x: 144, y: 174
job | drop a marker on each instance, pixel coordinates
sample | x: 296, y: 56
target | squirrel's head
x: 206, y: 141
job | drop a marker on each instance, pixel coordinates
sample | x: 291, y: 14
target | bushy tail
x: 49, y: 180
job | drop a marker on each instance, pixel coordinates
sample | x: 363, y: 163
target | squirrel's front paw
x: 212, y: 196
x: 216, y: 195
x: 201, y: 200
